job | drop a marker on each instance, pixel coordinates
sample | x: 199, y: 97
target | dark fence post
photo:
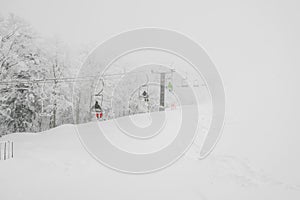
x: 4, y: 150
x: 12, y: 149
x: 8, y: 149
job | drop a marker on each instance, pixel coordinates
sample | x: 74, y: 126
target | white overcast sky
x: 255, y: 45
x: 84, y: 21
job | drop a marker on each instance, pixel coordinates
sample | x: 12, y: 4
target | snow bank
x: 54, y: 165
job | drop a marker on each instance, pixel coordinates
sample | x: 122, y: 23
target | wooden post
x: 12, y: 149
x: 4, y: 150
x: 8, y: 149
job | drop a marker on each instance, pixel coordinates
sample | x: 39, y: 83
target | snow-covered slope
x: 54, y: 165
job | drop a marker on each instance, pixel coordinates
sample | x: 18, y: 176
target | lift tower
x: 163, y: 86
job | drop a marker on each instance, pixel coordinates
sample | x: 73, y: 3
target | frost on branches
x: 29, y: 103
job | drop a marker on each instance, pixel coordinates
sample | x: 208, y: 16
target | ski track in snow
x: 241, y: 172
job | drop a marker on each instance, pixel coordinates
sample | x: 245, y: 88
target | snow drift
x: 54, y: 165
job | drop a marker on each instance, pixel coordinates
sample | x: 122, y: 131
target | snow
x: 54, y: 165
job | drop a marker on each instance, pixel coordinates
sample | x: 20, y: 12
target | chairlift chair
x: 184, y: 83
x: 196, y: 83
x: 99, y: 98
x: 144, y: 93
x: 144, y: 90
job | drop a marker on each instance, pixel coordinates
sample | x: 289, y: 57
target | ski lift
x: 98, y: 107
x: 170, y: 87
x: 100, y: 92
x: 98, y: 110
x: 170, y: 79
x: 184, y: 82
x: 145, y: 96
x: 99, y: 97
x: 144, y: 91
x: 196, y: 83
x: 142, y: 95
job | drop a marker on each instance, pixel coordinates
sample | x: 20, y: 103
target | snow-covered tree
x: 19, y: 63
x: 32, y: 69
